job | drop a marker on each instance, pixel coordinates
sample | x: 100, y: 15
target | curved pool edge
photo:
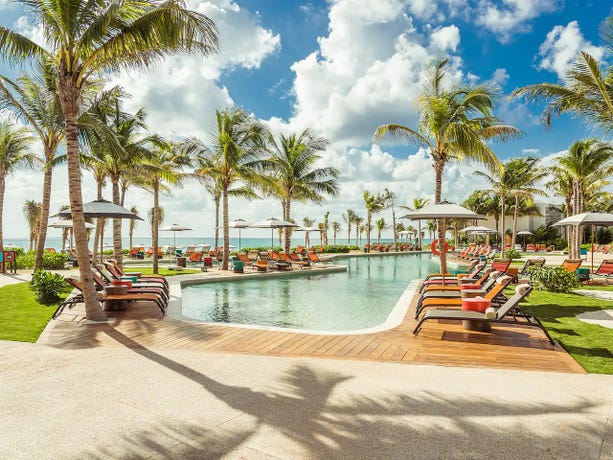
x: 175, y: 310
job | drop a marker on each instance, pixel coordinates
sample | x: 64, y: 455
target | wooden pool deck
x: 443, y: 343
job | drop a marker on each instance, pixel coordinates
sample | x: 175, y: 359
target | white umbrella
x: 444, y: 211
x: 67, y: 224
x: 174, y: 228
x: 588, y: 218
x: 272, y: 223
x: 307, y: 230
x: 478, y: 229
x: 240, y: 224
x: 524, y: 233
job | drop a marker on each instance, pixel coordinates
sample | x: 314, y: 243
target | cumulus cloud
x: 500, y: 76
x: 561, y: 47
x: 511, y: 16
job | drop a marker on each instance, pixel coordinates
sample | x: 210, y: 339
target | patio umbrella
x: 102, y: 208
x: 174, y: 228
x: 306, y: 234
x: 67, y: 223
x: 240, y: 224
x: 588, y: 218
x: 524, y: 233
x: 444, y: 211
x: 272, y: 223
x: 480, y: 230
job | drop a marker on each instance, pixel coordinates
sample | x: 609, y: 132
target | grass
x: 22, y: 318
x: 590, y: 345
x: 161, y: 271
x: 600, y: 287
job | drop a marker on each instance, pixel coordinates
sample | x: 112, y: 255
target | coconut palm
x: 85, y: 38
x: 586, y: 89
x: 455, y: 123
x: 349, y: 218
x: 32, y: 210
x: 381, y: 225
x: 374, y: 203
x: 325, y: 226
x: 292, y: 166
x: 14, y: 145
x: 236, y: 157
x: 133, y: 222
x: 388, y: 198
x: 336, y: 227
x: 357, y: 221
x: 417, y: 204
x: 34, y: 99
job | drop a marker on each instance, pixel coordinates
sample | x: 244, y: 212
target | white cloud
x: 561, y: 47
x: 500, y: 76
x: 512, y: 16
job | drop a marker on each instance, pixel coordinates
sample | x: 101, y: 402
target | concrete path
x: 120, y: 403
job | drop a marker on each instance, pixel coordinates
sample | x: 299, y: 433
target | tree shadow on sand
x: 309, y: 410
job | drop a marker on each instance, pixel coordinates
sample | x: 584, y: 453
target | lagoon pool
x: 362, y: 297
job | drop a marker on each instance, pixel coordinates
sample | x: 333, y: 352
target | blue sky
x: 342, y: 68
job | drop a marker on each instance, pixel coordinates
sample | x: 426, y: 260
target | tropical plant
x: 85, y: 38
x: 417, y: 204
x: 388, y: 199
x: 325, y: 226
x: 133, y: 222
x: 455, y: 123
x: 374, y: 203
x: 236, y: 157
x: 357, y: 221
x: 292, y: 167
x: 586, y: 90
x: 336, y: 227
x: 34, y: 99
x: 307, y: 222
x: 381, y: 225
x: 47, y: 286
x: 14, y: 145
x: 554, y: 279
x: 349, y: 218
x: 32, y: 210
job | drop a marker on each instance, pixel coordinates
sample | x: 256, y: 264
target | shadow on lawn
x: 312, y: 416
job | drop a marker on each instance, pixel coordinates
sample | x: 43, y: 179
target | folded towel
x: 490, y: 313
x: 521, y: 288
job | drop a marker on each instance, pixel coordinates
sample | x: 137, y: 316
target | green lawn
x: 597, y: 287
x: 22, y: 318
x: 590, y: 345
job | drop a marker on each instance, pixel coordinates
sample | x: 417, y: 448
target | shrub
x: 51, y: 261
x: 338, y: 248
x: 513, y: 254
x: 554, y: 279
x: 47, y: 286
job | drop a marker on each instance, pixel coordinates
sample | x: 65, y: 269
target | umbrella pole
x: 592, y: 248
x: 239, y: 239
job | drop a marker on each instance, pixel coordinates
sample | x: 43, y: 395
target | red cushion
x: 470, y: 286
x: 126, y: 283
x: 476, y: 304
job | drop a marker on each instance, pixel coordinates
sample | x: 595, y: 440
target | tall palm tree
x: 86, y: 38
x: 349, y: 218
x: 307, y: 222
x: 292, y: 166
x: 586, y: 89
x: 357, y: 221
x: 325, y: 226
x: 237, y: 157
x: 388, y: 198
x: 455, y: 123
x: 381, y: 225
x: 32, y: 210
x: 133, y: 222
x: 34, y: 99
x: 417, y: 204
x: 374, y: 203
x: 336, y: 227
x: 14, y: 145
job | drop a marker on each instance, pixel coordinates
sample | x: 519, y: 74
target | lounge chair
x: 155, y: 298
x: 572, y: 264
x: 501, y: 265
x: 109, y: 272
x: 605, y: 270
x: 275, y: 261
x: 509, y: 313
x: 107, y: 279
x: 115, y: 268
x: 532, y: 262
x: 133, y: 288
x: 457, y: 287
x: 440, y: 278
x: 495, y: 295
x: 296, y: 260
x: 314, y: 259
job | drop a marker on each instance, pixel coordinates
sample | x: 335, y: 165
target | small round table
x: 115, y: 305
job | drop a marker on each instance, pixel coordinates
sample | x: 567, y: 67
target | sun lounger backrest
x: 477, y: 268
x: 606, y: 268
x: 572, y: 264
x: 501, y: 265
x: 104, y: 273
x: 513, y: 302
x: 501, y: 283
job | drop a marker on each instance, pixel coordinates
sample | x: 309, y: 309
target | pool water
x: 360, y: 298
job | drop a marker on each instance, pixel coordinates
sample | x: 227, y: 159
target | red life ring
x: 434, y: 248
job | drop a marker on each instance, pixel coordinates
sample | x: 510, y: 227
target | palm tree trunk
x: 117, y: 243
x: 420, y: 234
x: 288, y: 233
x: 348, y: 232
x: 44, y: 217
x: 226, y: 229
x: 216, y: 200
x: 334, y: 237
x: 515, y: 216
x: 439, y: 167
x: 124, y: 189
x: 368, y: 218
x: 69, y: 96
x: 156, y: 223
x: 2, y: 186
x: 394, y: 227
x: 503, y: 242
x: 99, y: 226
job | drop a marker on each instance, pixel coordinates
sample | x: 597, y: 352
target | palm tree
x: 455, y: 123
x: 32, y: 210
x: 380, y: 223
x: 336, y: 227
x: 325, y: 225
x: 349, y: 218
x: 417, y: 204
x: 34, y: 99
x: 14, y: 145
x: 295, y: 176
x: 133, y: 222
x: 374, y: 203
x: 586, y: 90
x: 85, y: 38
x: 388, y: 198
x: 357, y: 220
x: 236, y: 157
x: 307, y: 222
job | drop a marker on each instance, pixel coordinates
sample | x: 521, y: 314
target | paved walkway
x: 105, y: 403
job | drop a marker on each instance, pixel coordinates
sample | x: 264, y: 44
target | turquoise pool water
x: 360, y: 298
